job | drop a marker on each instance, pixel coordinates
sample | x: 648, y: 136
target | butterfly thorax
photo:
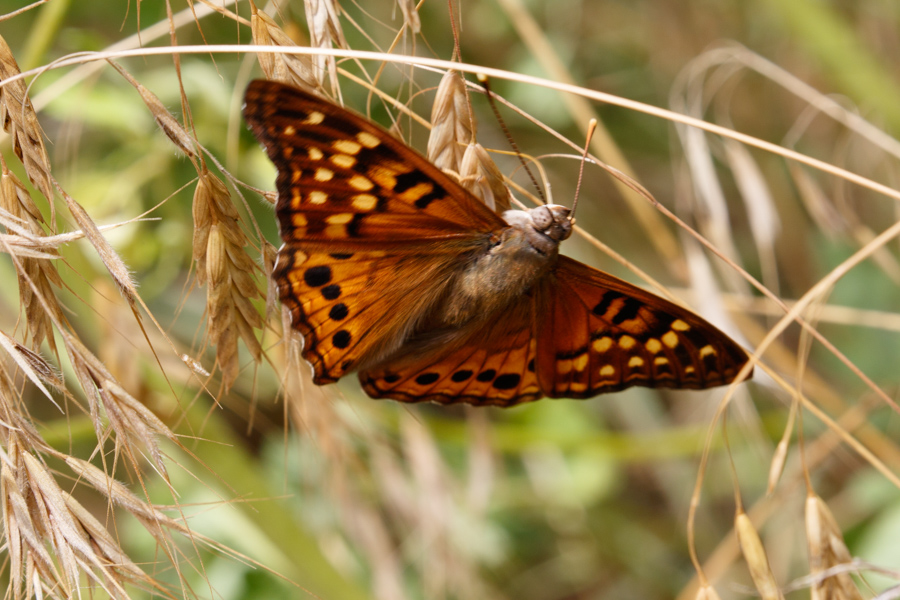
x: 513, y: 261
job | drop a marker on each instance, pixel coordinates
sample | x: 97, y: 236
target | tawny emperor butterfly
x: 390, y: 268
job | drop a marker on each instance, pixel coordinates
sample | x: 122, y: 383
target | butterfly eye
x: 542, y: 218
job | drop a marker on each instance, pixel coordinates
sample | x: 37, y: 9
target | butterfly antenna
x: 483, y: 79
x: 592, y: 126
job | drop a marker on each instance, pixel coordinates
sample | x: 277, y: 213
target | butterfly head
x: 544, y: 227
x: 552, y: 220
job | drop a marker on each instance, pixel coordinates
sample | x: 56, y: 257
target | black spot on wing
x: 409, y: 180
x: 507, y: 381
x: 338, y: 312
x: 353, y: 225
x: 427, y: 378
x: 292, y: 115
x: 628, y: 311
x: 331, y: 292
x: 608, y: 298
x: 427, y: 199
x: 317, y: 276
x: 569, y: 354
x: 341, y: 339
x: 461, y: 376
x: 487, y: 375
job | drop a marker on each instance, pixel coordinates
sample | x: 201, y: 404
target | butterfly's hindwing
x: 600, y: 334
x: 494, y: 365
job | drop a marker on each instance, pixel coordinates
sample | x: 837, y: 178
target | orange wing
x: 356, y: 307
x: 493, y: 365
x: 596, y: 334
x: 368, y: 224
x: 344, y: 182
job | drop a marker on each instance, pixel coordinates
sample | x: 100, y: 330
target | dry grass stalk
x: 452, y: 148
x: 480, y: 175
x: 325, y: 31
x: 225, y: 267
x: 757, y: 560
x: 295, y: 69
x: 169, y: 124
x: 110, y: 258
x: 825, y: 542
x: 269, y: 256
x: 29, y: 558
x: 452, y: 129
x: 133, y: 423
x: 21, y: 123
x: 33, y: 365
x: 707, y: 592
x: 410, y: 15
x: 16, y: 200
x: 153, y: 519
x: 51, y: 538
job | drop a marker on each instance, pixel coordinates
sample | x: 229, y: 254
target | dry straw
x: 223, y: 265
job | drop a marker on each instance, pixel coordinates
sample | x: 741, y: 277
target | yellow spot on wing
x: 626, y: 342
x: 364, y: 202
x: 339, y: 219
x: 299, y: 220
x: 314, y: 118
x: 679, y: 325
x: 603, y: 344
x: 363, y: 184
x: 707, y: 350
x: 670, y: 339
x: 318, y: 197
x: 653, y: 345
x: 323, y: 175
x: 289, y: 130
x: 580, y: 362
x: 344, y: 161
x: 367, y: 139
x: 315, y: 154
x: 660, y: 360
x: 347, y: 146
x: 563, y: 367
x: 417, y: 191
x: 635, y: 361
x: 384, y: 178
x: 689, y: 369
x: 607, y: 371
x: 577, y: 387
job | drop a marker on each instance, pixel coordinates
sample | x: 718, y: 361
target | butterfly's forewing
x: 371, y: 229
x: 345, y: 182
x: 493, y: 365
x: 596, y: 334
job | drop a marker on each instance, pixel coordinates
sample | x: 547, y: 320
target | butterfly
x: 391, y: 269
